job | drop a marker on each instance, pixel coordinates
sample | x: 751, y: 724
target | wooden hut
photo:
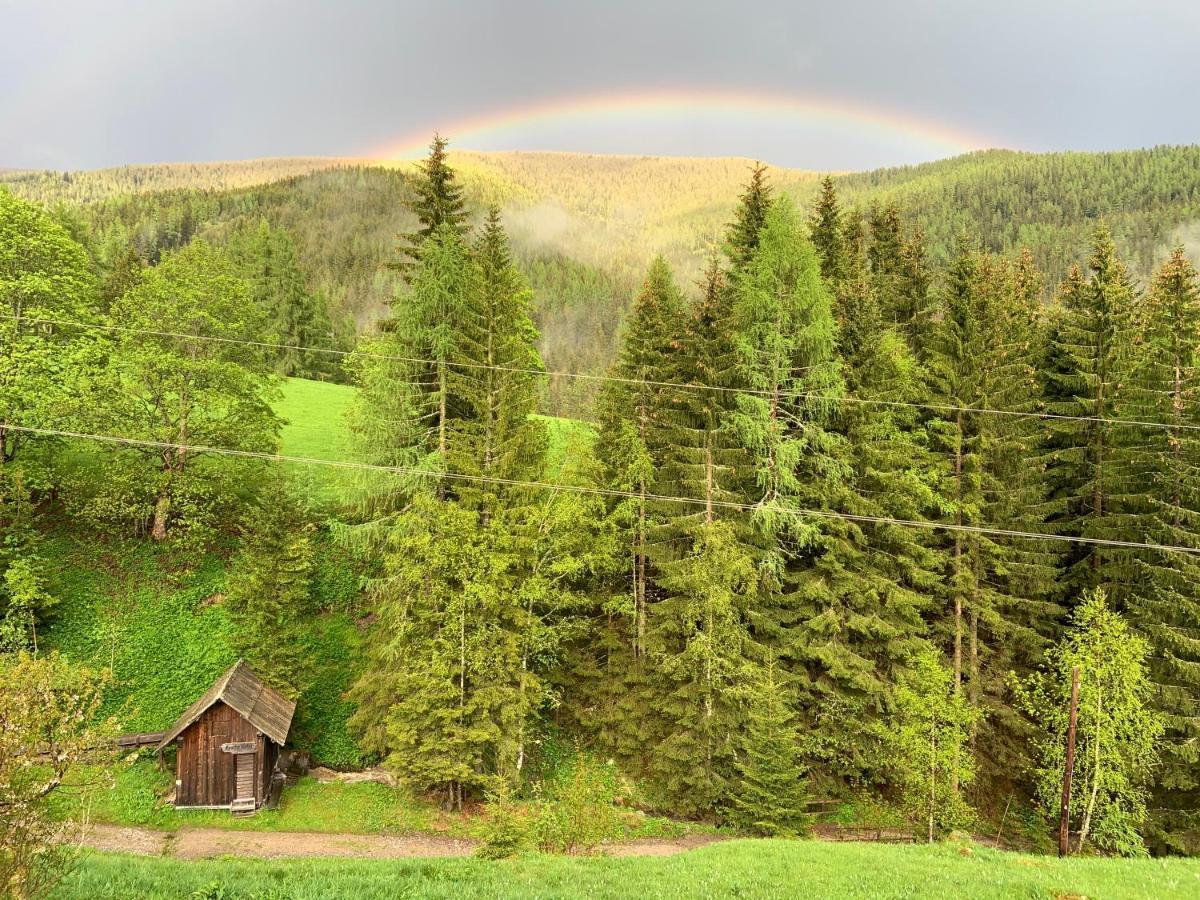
x: 229, y: 742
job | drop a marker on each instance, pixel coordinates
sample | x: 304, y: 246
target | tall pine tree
x: 1088, y: 464
x: 1165, y: 387
x: 437, y: 202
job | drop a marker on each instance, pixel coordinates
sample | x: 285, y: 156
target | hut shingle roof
x: 265, y: 708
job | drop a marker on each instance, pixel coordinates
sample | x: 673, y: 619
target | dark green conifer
x: 124, y: 275
x: 1165, y: 387
x: 741, y: 238
x: 827, y: 231
x: 497, y: 435
x: 1088, y: 465
x: 863, y: 598
x: 269, y: 591
x: 995, y: 615
x: 437, y: 201
x: 637, y: 412
x: 771, y: 793
x: 297, y: 318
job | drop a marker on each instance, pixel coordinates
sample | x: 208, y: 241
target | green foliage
x: 700, y: 649
x: 1049, y: 202
x: 579, y: 813
x: 928, y: 744
x: 44, y: 274
x: 438, y: 202
x: 50, y: 724
x: 771, y: 793
x: 507, y: 831
x: 1090, y: 492
x: 1117, y: 734
x: 265, y: 258
x: 994, y: 613
x: 180, y: 391
x: 269, y: 594
x: 1166, y: 605
x: 24, y: 601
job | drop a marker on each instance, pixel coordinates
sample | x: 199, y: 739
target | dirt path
x: 206, y: 843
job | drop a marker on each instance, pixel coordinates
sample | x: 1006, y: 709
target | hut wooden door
x: 245, y: 777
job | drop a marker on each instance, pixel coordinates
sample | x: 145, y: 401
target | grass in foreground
x: 730, y: 869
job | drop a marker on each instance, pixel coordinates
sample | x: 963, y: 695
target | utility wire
x: 603, y: 492
x: 814, y: 395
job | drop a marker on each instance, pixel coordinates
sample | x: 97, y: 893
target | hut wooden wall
x: 206, y: 774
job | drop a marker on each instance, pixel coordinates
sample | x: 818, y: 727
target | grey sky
x: 86, y: 84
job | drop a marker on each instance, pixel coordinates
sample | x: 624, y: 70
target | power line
x: 267, y: 345
x: 603, y: 492
x: 544, y: 373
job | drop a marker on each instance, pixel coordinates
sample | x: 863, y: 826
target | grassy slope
x: 315, y: 413
x: 152, y: 614
x: 730, y: 869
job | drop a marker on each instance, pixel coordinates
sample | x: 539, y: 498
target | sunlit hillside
x: 609, y: 211
x: 48, y: 186
x: 615, y: 210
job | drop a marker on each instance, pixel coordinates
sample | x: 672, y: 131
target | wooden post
x: 1064, y: 822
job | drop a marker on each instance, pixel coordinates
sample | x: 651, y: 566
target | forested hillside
x: 584, y: 227
x: 1047, y: 202
x: 848, y: 513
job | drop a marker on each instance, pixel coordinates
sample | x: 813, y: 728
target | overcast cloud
x: 87, y: 84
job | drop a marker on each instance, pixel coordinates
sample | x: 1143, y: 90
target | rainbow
x: 503, y: 129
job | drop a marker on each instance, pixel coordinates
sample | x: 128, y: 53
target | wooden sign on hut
x: 229, y: 743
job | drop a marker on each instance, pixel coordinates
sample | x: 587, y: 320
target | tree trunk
x: 441, y: 488
x: 958, y: 563
x: 162, y: 509
x: 1086, y: 827
x: 932, y: 775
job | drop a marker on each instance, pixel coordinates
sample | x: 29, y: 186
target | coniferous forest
x: 822, y: 506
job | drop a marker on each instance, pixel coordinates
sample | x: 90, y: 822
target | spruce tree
x: 771, y: 795
x: 1088, y: 465
x: 702, y: 667
x: 437, y: 202
x: 995, y: 615
x: 497, y: 436
x: 899, y: 274
x: 480, y: 581
x: 297, y: 318
x: 789, y: 385
x: 828, y: 234
x: 636, y: 412
x: 411, y: 378
x: 269, y: 592
x: 1165, y: 387
x: 741, y: 238
x: 863, y: 602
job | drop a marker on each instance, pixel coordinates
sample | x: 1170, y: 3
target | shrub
x: 579, y: 813
x: 507, y: 831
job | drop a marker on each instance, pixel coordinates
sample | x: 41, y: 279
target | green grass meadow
x: 741, y: 868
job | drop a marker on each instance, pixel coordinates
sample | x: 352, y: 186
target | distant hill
x: 1048, y: 201
x: 49, y: 187
x: 602, y: 210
